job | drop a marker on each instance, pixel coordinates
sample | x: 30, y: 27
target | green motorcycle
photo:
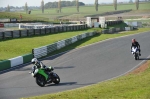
x: 44, y: 76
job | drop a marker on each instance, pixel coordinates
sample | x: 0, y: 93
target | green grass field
x: 90, y: 10
x: 71, y: 12
x: 26, y: 17
x: 25, y: 45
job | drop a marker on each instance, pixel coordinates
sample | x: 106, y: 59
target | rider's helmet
x: 34, y: 60
x: 133, y: 40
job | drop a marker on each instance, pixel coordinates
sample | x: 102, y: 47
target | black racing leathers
x: 136, y: 44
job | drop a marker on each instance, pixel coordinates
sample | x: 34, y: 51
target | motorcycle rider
x: 136, y: 44
x: 39, y: 64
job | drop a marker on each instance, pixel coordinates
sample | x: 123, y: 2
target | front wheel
x: 56, y: 78
x: 40, y: 80
x: 136, y: 56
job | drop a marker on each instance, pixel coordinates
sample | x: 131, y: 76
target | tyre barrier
x: 32, y: 32
x: 41, y: 51
x: 45, y: 50
x: 113, y: 30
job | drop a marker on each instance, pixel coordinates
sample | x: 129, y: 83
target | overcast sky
x: 4, y: 3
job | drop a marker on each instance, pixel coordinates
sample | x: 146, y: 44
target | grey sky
x: 4, y: 3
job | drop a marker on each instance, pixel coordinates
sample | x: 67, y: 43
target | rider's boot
x: 49, y: 79
x: 139, y: 54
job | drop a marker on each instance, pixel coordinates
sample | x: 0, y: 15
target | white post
x: 89, y: 23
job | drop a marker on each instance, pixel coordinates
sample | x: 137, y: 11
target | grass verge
x: 10, y: 48
x: 131, y: 86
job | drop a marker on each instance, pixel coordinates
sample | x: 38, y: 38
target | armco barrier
x: 45, y: 50
x: 1, y: 35
x: 43, y: 31
x: 6, y: 64
x: 8, y: 34
x: 113, y: 30
x: 48, y: 30
x: 24, y: 33
x: 37, y: 31
x: 31, y: 32
x: 27, y: 58
x: 16, y: 34
x: 16, y: 61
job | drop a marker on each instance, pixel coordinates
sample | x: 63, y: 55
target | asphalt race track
x: 77, y: 68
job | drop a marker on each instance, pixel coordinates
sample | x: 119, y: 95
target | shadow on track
x: 67, y: 67
x: 144, y: 59
x: 68, y: 84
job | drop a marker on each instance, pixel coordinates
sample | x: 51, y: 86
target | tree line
x: 63, y: 4
x: 115, y: 4
x: 76, y: 3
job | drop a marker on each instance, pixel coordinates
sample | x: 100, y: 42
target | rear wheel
x: 40, y: 80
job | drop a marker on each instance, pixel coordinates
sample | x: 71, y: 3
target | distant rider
x: 136, y: 44
x: 39, y: 64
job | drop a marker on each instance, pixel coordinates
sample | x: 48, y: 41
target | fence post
x: 54, y: 29
x: 3, y: 35
x: 33, y: 52
x: 12, y: 34
x: 40, y: 31
x: 62, y: 29
x: 58, y: 29
x: 20, y: 33
x: 34, y: 31
x: 50, y: 30
x: 27, y: 32
x: 45, y: 30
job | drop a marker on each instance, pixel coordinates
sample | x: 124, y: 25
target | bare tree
x: 115, y: 4
x: 59, y: 6
x: 26, y: 7
x: 137, y: 4
x: 77, y: 4
x: 42, y: 6
x: 96, y: 5
x: 8, y: 8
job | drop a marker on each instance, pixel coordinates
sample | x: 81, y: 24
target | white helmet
x: 34, y: 60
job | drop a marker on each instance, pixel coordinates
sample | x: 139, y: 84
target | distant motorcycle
x: 135, y: 52
x: 42, y: 76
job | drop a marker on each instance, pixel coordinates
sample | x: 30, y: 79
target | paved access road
x: 78, y: 68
